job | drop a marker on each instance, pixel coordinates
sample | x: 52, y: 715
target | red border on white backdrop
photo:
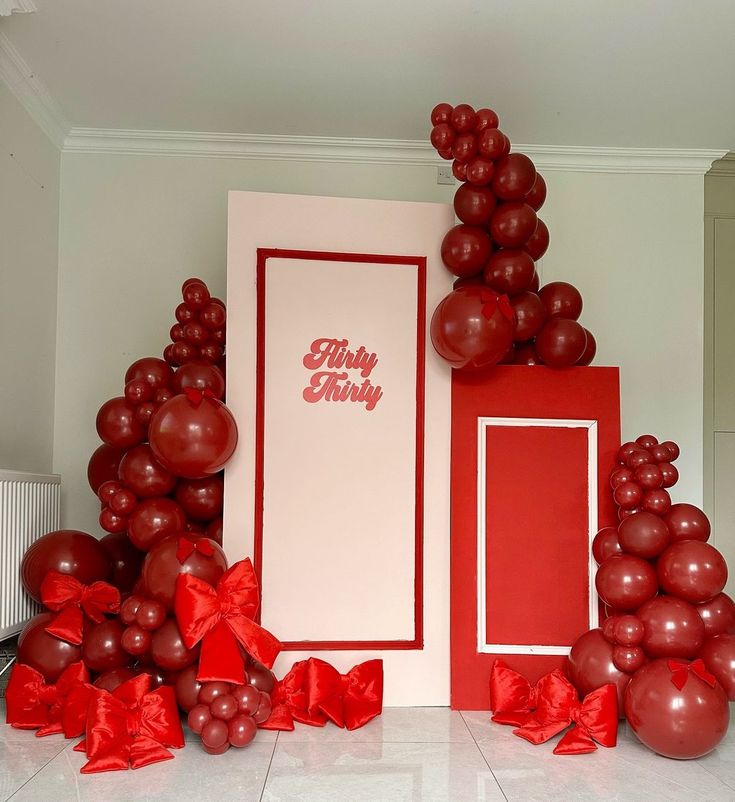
x: 361, y: 258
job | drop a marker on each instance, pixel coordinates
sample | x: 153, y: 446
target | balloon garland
x: 150, y: 620
x: 497, y: 312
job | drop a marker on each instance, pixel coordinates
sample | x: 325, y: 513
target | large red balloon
x: 193, y: 440
x: 118, y: 425
x: 590, y: 665
x: 625, y: 582
x: 718, y: 615
x: 509, y: 271
x: 113, y: 678
x: 153, y: 520
x: 125, y: 559
x: 561, y: 342
x: 472, y: 327
x: 152, y: 370
x: 474, y: 205
x: 513, y: 224
x: 103, y: 465
x: 561, y: 299
x: 514, y: 178
x: 606, y: 544
x: 162, y: 566
x: 538, y: 243
x: 200, y: 375
x: 687, y: 522
x: 168, y: 650
x: 465, y: 249
x: 530, y: 315
x: 102, y: 646
x: 672, y: 628
x: 44, y: 652
x: 692, y: 570
x: 718, y: 654
x: 201, y: 499
x: 682, y: 724
x: 144, y: 474
x: 644, y: 535
x: 67, y: 551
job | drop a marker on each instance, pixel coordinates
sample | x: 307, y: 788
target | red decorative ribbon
x: 186, y: 547
x: 222, y: 619
x: 514, y: 700
x: 64, y: 593
x: 196, y: 396
x: 680, y: 670
x: 314, y: 692
x: 34, y: 704
x: 131, y: 727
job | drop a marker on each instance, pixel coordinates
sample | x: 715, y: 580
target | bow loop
x: 187, y: 546
x: 681, y: 669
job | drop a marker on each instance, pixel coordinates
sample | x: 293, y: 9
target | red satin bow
x: 222, y: 619
x: 314, y: 692
x: 33, y: 704
x: 64, y: 593
x: 196, y: 396
x: 186, y: 547
x: 680, y: 670
x: 131, y: 727
x: 514, y: 700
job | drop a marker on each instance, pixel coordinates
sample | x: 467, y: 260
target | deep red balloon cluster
x: 661, y: 583
x: 199, y: 331
x: 495, y: 246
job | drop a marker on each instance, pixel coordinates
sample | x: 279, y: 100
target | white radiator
x: 29, y: 507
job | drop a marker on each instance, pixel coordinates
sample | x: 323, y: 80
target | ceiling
x: 622, y: 73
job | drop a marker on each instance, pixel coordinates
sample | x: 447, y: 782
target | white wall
x: 134, y: 227
x: 29, y: 238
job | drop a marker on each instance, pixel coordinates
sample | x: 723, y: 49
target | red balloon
x: 638, y: 457
x: 672, y: 628
x: 125, y: 559
x: 102, y: 647
x: 623, y: 513
x: 152, y: 370
x: 183, y: 314
x: 526, y: 355
x: 153, y: 520
x: 117, y: 424
x: 195, y: 294
x: 538, y: 243
x: 480, y: 171
x: 195, y: 333
x: 247, y: 698
x: 214, y: 735
x: 590, y: 665
x: 687, y: 522
x: 44, y: 652
x: 261, y: 677
x: 465, y: 250
x: 463, y: 149
x: 626, y: 450
x: 646, y: 441
x: 129, y: 609
x: 628, y: 495
x: 628, y: 658
x: 649, y: 476
x: 144, y: 474
x: 474, y: 205
x: 198, y: 717
x: 472, y: 327
x: 212, y: 690
x: 589, y: 350
x: 673, y: 449
x: 441, y: 113
x: 192, y: 440
x: 201, y: 499
x: 515, y: 176
x: 187, y: 688
x: 137, y: 391
x: 606, y: 544
x: 681, y: 724
x: 620, y: 476
x: 535, y: 281
x: 213, y: 316
x: 265, y: 708
x: 512, y: 224
x: 561, y: 299
x: 214, y: 531
x: 111, y: 522
x: 211, y: 352
x: 659, y: 453
x: 656, y: 501
x: 643, y: 535
x: 509, y: 271
x: 629, y: 631
x: 463, y: 118
x: 67, y: 551
x: 136, y: 641
x: 718, y: 654
x: 492, y: 143
x: 241, y: 730
x: 459, y: 171
x: 168, y: 650
x: 123, y: 502
x: 162, y: 567
x: 561, y: 342
x: 109, y: 680
x: 224, y: 707
x: 625, y: 582
x: 692, y: 570
x: 536, y: 197
x: 486, y: 118
x: 103, y: 465
x: 718, y: 615
x: 442, y: 136
x: 150, y: 615
x: 530, y: 315
x: 669, y: 473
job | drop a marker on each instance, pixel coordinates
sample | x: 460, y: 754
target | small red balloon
x: 247, y: 698
x: 590, y: 349
x: 480, y: 171
x: 718, y: 615
x: 536, y: 197
x: 144, y: 474
x: 153, y: 520
x: 241, y: 730
x: 463, y: 149
x: 135, y: 640
x: 150, y: 615
x: 606, y: 544
x: 441, y: 113
x: 509, y: 271
x: 195, y: 294
x: 561, y: 299
x: 649, y: 476
x: 628, y: 658
x: 628, y: 495
x: 442, y: 136
x: 152, y: 370
x: 214, y: 734
x: 465, y: 249
x: 561, y: 342
x: 198, y: 716
x: 486, y: 118
x: 629, y: 631
x: 673, y: 449
x: 212, y: 690
x: 538, y: 243
x: 620, y: 476
x: 117, y: 425
x: 474, y: 205
x: 512, y: 224
x: 201, y: 499
x: 491, y: 143
x: 224, y: 707
x: 463, y: 118
x: 530, y: 315
x: 669, y: 473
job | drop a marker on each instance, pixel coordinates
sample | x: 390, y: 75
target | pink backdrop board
x: 338, y: 489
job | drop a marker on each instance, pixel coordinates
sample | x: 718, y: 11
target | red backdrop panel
x: 536, y: 515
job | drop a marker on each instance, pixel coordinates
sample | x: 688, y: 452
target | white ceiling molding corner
x: 376, y: 151
x: 31, y: 93
x: 8, y: 7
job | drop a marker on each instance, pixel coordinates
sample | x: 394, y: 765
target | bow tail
x: 280, y: 719
x: 144, y: 751
x: 52, y: 728
x: 257, y: 641
x: 540, y: 732
x: 515, y: 719
x: 576, y: 741
x: 113, y: 755
x: 68, y: 625
x: 363, y: 699
x: 221, y: 659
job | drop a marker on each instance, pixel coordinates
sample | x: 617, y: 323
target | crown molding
x: 375, y: 151
x: 31, y: 93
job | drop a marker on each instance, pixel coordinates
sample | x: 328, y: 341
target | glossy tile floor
x: 406, y: 754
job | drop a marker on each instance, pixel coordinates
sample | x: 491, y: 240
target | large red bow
x: 680, y: 670
x: 514, y: 700
x: 196, y: 396
x: 64, y: 593
x: 186, y: 547
x: 32, y: 704
x: 222, y: 619
x: 314, y: 692
x: 131, y: 727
